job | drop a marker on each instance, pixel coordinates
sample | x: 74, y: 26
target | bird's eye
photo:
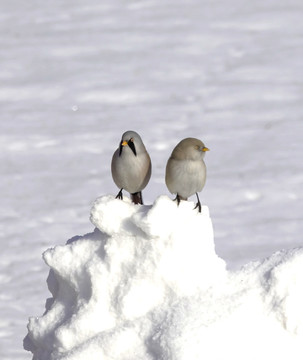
x: 197, y: 147
x: 131, y: 139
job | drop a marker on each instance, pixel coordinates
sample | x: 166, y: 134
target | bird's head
x: 190, y: 149
x: 132, y: 140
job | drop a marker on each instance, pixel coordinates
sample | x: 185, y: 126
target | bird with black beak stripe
x: 131, y: 166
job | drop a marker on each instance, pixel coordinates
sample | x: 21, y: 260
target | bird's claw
x: 198, y: 205
x: 177, y: 199
x: 120, y: 195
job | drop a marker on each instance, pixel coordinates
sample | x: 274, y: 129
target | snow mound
x: 147, y: 284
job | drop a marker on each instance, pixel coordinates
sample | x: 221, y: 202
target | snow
x: 74, y: 76
x: 147, y: 284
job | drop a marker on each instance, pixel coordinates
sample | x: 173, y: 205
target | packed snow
x: 147, y: 284
x: 75, y: 75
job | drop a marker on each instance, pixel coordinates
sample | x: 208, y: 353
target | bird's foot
x: 198, y: 205
x: 179, y: 198
x: 120, y: 195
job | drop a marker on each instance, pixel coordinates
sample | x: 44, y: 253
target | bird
x: 185, y: 173
x: 131, y: 166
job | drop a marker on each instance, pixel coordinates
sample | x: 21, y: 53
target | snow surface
x: 75, y: 75
x: 147, y: 284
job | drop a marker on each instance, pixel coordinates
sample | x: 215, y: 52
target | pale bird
x: 131, y: 166
x: 186, y: 170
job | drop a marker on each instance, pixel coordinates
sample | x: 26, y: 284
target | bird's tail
x: 137, y: 198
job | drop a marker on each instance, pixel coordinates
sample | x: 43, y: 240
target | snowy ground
x: 74, y: 76
x: 148, y: 285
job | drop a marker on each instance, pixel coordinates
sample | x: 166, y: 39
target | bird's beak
x: 122, y: 143
x: 130, y: 144
x: 205, y: 149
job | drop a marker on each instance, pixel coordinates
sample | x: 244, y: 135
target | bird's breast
x: 131, y: 172
x: 185, y: 177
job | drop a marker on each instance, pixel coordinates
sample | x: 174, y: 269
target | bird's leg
x: 178, y: 199
x: 198, y: 205
x: 137, y: 198
x: 120, y: 195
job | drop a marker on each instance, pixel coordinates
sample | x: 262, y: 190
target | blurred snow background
x: 75, y: 75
